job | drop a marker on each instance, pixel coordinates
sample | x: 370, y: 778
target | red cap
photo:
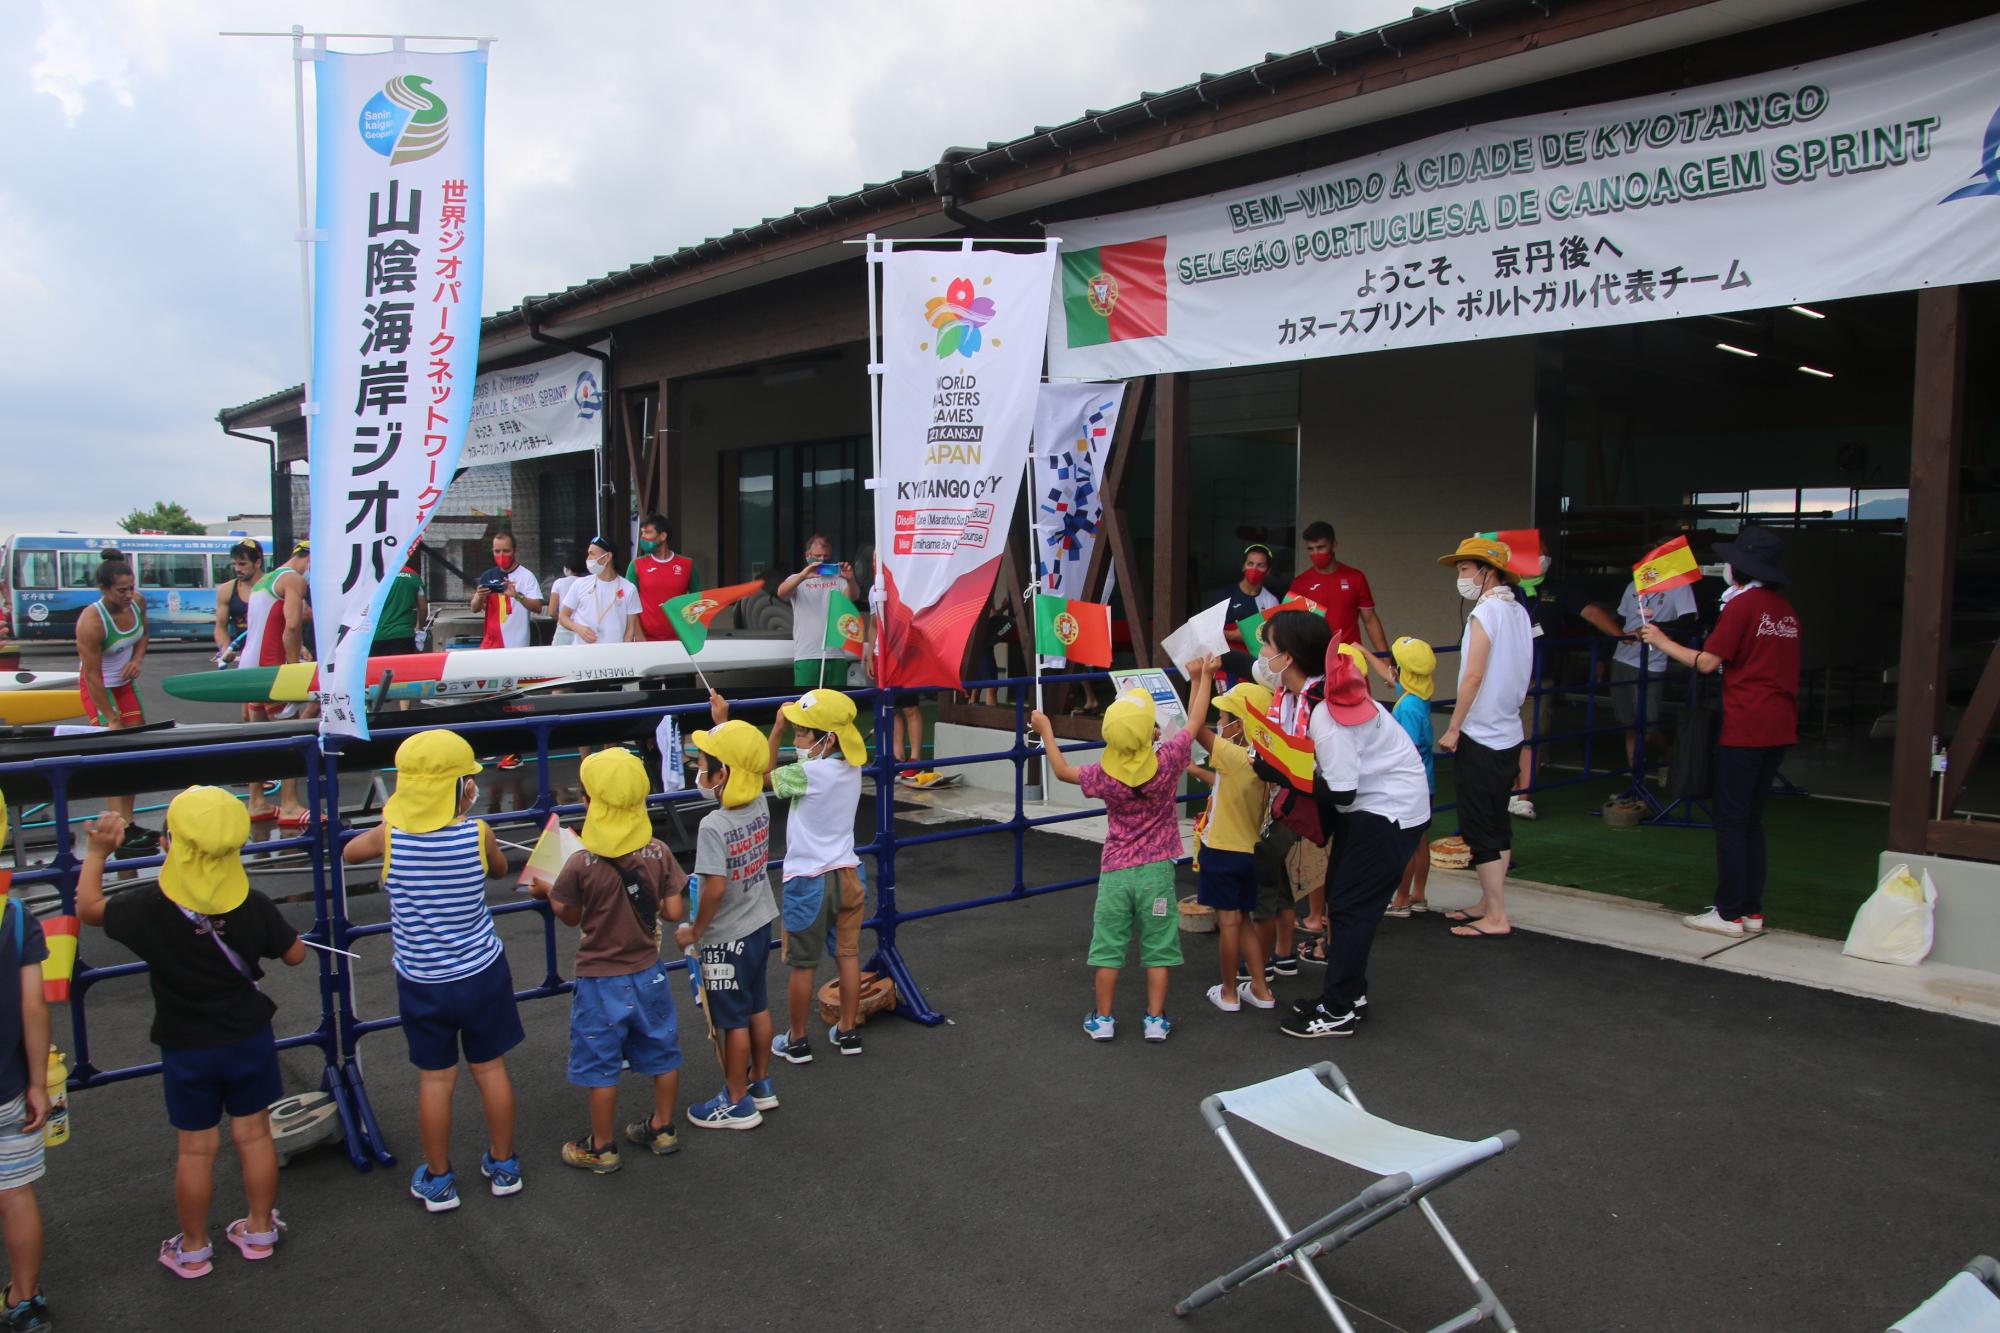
x: 1347, y: 696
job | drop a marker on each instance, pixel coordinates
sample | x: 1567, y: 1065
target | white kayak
x: 42, y: 680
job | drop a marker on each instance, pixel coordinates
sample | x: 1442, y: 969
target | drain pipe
x: 281, y: 496
x: 947, y: 178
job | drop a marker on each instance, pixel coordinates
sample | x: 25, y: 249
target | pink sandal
x: 255, y: 1244
x: 186, y: 1263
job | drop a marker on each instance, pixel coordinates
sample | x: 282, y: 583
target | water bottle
x: 57, y: 1129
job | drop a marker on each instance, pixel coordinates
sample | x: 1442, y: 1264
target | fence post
x: 888, y: 959
x: 370, y: 1142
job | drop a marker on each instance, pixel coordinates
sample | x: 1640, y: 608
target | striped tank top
x: 119, y: 644
x: 264, y: 628
x: 437, y: 903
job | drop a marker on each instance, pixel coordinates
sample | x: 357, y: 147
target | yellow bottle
x: 57, y: 1129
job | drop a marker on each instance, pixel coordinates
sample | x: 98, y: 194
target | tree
x: 165, y: 516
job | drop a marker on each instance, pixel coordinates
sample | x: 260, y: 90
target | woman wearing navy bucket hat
x: 1757, y: 639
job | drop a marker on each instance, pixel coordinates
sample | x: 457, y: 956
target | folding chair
x: 1969, y: 1303
x: 1317, y: 1109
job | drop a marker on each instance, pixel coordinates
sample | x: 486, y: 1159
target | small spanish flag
x: 1080, y: 631
x: 1290, y: 755
x: 1668, y: 565
x: 60, y: 934
x: 692, y: 613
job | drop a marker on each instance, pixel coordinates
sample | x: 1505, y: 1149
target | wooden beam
x: 1124, y: 437
x: 1973, y: 729
x: 1937, y: 433
x: 1171, y: 484
x: 1975, y: 841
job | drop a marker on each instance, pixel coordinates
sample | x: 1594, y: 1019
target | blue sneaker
x: 717, y: 1113
x: 438, y: 1194
x: 796, y: 1050
x: 1101, y: 1027
x: 763, y: 1094
x: 1157, y: 1027
x: 505, y: 1173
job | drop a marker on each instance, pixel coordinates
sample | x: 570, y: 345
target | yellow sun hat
x: 616, y: 822
x: 1128, y: 739
x: 1487, y: 551
x: 1246, y: 699
x: 747, y: 753
x: 428, y: 768
x: 206, y: 830
x: 1416, y: 662
x: 830, y: 710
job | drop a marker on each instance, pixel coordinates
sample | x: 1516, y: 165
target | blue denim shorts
x: 202, y: 1082
x: 612, y: 1019
x: 1228, y: 881
x: 477, y: 1012
x: 732, y: 978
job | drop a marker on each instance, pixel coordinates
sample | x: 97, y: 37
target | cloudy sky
x: 147, y: 269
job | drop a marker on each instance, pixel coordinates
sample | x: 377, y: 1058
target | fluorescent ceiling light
x: 1816, y: 372
x: 1807, y: 311
x: 1734, y: 349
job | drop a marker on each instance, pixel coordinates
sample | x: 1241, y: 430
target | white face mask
x: 1728, y: 573
x: 1267, y: 675
x: 1469, y: 589
x: 597, y: 567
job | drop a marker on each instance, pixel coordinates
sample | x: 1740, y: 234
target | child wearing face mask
x: 1238, y: 810
x: 453, y: 987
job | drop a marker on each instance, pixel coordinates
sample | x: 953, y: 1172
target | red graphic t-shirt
x: 1757, y: 638
x: 658, y: 581
x: 1343, y: 590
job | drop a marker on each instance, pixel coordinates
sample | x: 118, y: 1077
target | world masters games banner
x: 1872, y: 172
x: 400, y: 223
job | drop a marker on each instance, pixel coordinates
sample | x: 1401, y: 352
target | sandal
x: 1398, y: 912
x: 1227, y: 1007
x: 1243, y: 996
x: 1314, y: 952
x: 1462, y: 917
x: 1419, y: 907
x: 255, y: 1244
x: 186, y: 1263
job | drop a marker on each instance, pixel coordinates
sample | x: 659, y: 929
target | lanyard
x: 204, y: 926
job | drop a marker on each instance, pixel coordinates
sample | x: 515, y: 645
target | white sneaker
x: 1101, y: 1027
x: 1714, y: 923
x: 1520, y: 807
x: 1226, y: 1006
x: 1753, y: 922
x: 1157, y: 1027
x: 1244, y: 996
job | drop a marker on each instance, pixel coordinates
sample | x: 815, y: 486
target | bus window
x: 34, y: 571
x: 173, y: 571
x: 79, y: 569
x: 220, y: 571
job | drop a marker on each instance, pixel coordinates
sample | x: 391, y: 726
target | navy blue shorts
x: 476, y: 1011
x: 204, y: 1081
x: 614, y: 1019
x: 1228, y: 881
x: 732, y: 978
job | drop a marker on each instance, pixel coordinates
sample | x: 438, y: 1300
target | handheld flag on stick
x: 1290, y: 755
x: 1524, y: 546
x: 692, y: 613
x: 60, y: 934
x: 1252, y: 627
x: 552, y: 851
x: 1200, y: 637
x: 1668, y: 565
x: 1079, y: 631
x: 843, y: 624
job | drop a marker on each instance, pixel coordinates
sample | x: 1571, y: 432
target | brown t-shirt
x: 612, y: 944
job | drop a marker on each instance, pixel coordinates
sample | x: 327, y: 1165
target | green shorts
x: 807, y: 673
x: 1140, y: 898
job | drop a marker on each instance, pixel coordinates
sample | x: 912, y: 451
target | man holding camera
x: 507, y: 595
x: 810, y: 591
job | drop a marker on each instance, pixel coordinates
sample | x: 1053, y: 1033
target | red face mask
x: 1252, y: 575
x: 504, y: 561
x: 1322, y: 559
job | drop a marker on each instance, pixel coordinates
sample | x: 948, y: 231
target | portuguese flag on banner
x: 1080, y: 631
x: 692, y: 613
x: 1115, y: 292
x: 843, y: 624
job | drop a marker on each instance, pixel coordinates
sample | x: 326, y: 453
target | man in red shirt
x: 1344, y: 593
x: 660, y: 575
x: 1756, y: 644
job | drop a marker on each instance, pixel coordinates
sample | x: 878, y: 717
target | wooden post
x: 1171, y: 471
x: 1937, y: 432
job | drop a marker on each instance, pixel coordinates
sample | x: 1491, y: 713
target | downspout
x: 947, y: 179
x: 281, y: 495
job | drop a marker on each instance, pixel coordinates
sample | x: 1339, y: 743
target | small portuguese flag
x: 1080, y: 631
x: 692, y: 613
x: 843, y: 624
x: 1115, y: 292
x: 1252, y: 627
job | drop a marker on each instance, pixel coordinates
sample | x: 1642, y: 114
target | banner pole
x: 876, y: 596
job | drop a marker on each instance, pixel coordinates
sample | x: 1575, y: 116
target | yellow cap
x: 1128, y: 739
x: 747, y: 753
x: 1416, y: 663
x: 1487, y: 551
x: 1360, y: 656
x: 830, y: 710
x: 617, y: 785
x: 1247, y: 699
x: 428, y: 768
x: 206, y: 828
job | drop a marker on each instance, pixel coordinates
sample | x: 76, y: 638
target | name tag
x: 1159, y: 907
x: 1535, y: 633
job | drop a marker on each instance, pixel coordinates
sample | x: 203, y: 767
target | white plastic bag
x: 1895, y: 924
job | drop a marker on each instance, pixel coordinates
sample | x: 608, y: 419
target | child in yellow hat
x: 618, y: 889
x: 24, y: 1107
x: 1228, y: 882
x: 453, y: 986
x: 202, y: 932
x: 731, y: 930
x: 1137, y: 780
x: 1416, y: 668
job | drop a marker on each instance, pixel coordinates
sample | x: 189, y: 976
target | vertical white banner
x: 1074, y: 426
x: 962, y: 339
x: 398, y: 259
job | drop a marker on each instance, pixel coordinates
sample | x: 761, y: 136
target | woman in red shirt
x: 1756, y: 643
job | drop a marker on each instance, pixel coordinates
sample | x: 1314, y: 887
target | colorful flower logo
x: 958, y: 316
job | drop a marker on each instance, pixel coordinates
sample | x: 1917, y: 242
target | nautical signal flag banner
x: 1290, y: 755
x: 1079, y: 631
x: 1111, y: 293
x: 843, y: 624
x: 692, y: 613
x: 398, y: 259
x: 1669, y: 565
x: 963, y: 333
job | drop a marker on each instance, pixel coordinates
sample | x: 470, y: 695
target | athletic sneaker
x: 848, y: 1042
x: 1157, y: 1027
x: 139, y: 841
x: 763, y: 1094
x: 1243, y: 970
x: 717, y: 1113
x: 586, y: 1154
x: 1101, y: 1027
x: 1310, y: 1018
x: 795, y: 1050
x: 32, y: 1313
x: 662, y: 1142
x: 1714, y: 923
x: 508, y: 763
x: 1753, y: 921
x: 503, y: 1172
x: 1361, y: 1008
x: 1520, y: 807
x: 1283, y: 965
x: 439, y: 1194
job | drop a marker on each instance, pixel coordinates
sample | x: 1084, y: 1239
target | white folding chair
x: 1969, y: 1303
x: 1317, y: 1109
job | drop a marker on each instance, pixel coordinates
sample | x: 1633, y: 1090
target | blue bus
x: 46, y: 579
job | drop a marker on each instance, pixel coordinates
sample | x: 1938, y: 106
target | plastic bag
x: 1896, y: 924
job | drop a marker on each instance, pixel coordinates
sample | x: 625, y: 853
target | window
x: 34, y: 570
x: 79, y: 569
x: 220, y: 571
x: 778, y: 497
x: 159, y: 569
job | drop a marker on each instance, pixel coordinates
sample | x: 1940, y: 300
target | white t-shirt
x: 514, y: 630
x: 1658, y: 606
x: 1494, y: 720
x: 819, y: 830
x: 1376, y: 761
x: 557, y: 591
x: 809, y: 608
x: 603, y: 606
